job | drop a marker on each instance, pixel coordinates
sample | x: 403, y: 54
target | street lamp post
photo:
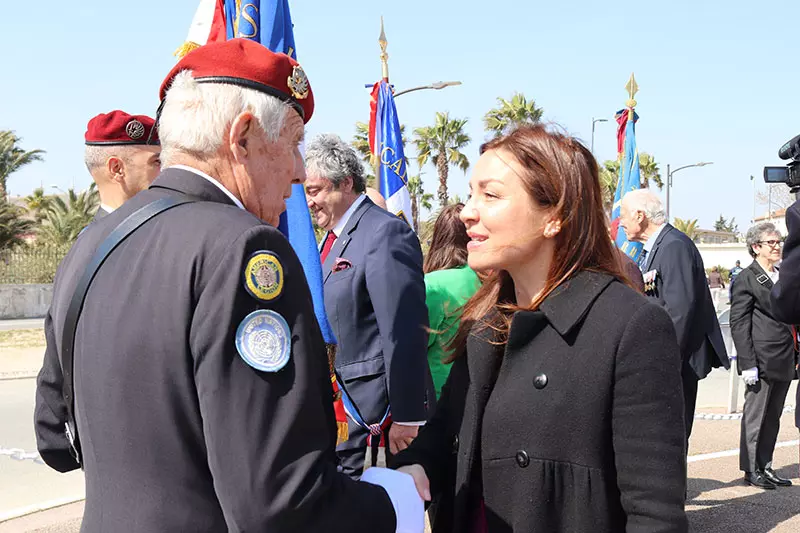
x: 594, y: 121
x: 669, y: 178
x: 436, y: 86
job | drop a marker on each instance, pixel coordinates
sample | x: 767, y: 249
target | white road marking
x: 733, y: 453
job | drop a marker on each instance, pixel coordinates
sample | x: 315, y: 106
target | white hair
x: 196, y: 116
x: 648, y: 203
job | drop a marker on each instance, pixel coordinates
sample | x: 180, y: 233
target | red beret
x: 248, y: 64
x: 120, y: 128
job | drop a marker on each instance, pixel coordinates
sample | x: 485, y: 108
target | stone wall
x: 25, y: 301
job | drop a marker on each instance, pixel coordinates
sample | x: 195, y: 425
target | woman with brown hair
x: 449, y: 283
x: 561, y: 411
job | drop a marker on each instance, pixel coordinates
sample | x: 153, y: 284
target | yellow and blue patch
x: 263, y: 276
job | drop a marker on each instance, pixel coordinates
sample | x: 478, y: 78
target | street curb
x: 22, y: 374
x: 38, y: 508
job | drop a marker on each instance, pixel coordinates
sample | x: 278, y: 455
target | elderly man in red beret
x: 185, y: 371
x: 122, y: 155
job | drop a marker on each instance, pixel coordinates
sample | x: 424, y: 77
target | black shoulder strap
x: 119, y: 234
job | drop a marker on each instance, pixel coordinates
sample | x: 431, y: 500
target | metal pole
x: 593, y: 123
x: 733, y: 382
x: 669, y: 184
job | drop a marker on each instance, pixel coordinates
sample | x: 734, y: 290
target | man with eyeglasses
x: 766, y: 357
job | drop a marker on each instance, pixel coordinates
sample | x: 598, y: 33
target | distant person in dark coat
x: 673, y: 268
x: 785, y: 295
x: 766, y: 357
x: 560, y: 410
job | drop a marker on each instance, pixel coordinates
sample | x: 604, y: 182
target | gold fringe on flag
x: 185, y: 48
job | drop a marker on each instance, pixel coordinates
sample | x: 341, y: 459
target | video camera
x: 790, y: 174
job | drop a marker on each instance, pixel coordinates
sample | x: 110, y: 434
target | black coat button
x: 522, y: 458
x: 455, y: 444
x: 540, y: 381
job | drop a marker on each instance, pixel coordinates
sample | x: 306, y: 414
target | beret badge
x: 135, y: 129
x: 298, y: 83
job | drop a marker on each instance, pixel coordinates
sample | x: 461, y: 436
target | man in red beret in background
x: 122, y: 155
x: 196, y: 388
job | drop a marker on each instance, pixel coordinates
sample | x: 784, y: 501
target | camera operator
x: 785, y: 295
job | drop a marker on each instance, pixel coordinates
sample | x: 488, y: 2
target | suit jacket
x: 178, y: 432
x: 761, y: 341
x: 377, y: 311
x: 681, y: 288
x: 572, y: 425
x: 786, y: 293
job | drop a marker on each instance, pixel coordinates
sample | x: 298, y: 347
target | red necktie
x: 327, y: 245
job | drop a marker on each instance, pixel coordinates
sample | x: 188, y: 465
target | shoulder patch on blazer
x: 762, y: 279
x: 263, y: 276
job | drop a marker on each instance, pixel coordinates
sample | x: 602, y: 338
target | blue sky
x: 716, y: 78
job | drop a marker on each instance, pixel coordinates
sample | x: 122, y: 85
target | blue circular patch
x: 263, y: 340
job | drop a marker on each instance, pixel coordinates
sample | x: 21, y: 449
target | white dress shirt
x: 212, y: 180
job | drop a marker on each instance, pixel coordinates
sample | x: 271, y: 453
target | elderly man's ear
x: 243, y: 128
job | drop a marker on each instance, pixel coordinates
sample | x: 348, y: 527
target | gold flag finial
x: 384, y: 56
x: 632, y: 87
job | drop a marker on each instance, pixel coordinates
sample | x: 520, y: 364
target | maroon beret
x: 248, y: 64
x: 120, y: 128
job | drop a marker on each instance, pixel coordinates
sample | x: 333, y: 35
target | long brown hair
x: 561, y: 174
x: 449, y: 244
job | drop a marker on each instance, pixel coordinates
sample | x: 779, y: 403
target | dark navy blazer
x: 375, y: 301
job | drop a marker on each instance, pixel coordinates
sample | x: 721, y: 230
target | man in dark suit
x: 122, y: 155
x: 785, y: 295
x: 375, y: 300
x: 674, y: 275
x: 202, y: 396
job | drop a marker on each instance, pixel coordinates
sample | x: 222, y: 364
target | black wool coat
x: 574, y: 425
x: 761, y: 341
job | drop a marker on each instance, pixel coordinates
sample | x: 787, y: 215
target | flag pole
x: 384, y: 56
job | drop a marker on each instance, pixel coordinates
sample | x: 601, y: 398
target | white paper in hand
x: 408, y: 506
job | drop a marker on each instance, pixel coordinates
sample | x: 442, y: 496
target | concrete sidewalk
x: 22, y: 323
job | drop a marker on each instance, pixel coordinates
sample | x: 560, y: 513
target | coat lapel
x: 667, y: 228
x: 344, y: 239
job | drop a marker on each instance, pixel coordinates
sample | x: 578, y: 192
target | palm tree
x: 64, y: 220
x: 360, y: 144
x: 12, y: 225
x: 37, y: 203
x: 608, y: 172
x: 512, y: 114
x: 442, y: 143
x: 13, y: 158
x: 688, y: 227
x: 648, y: 170
x: 419, y: 198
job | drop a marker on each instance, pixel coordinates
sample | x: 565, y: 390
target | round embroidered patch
x: 263, y: 276
x: 263, y: 340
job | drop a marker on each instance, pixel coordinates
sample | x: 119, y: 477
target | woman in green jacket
x: 449, y: 283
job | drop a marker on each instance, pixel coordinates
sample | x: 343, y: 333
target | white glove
x: 408, y: 506
x: 750, y: 376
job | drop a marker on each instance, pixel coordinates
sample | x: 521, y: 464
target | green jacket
x: 446, y: 292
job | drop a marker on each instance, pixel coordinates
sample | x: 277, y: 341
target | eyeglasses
x: 772, y: 243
